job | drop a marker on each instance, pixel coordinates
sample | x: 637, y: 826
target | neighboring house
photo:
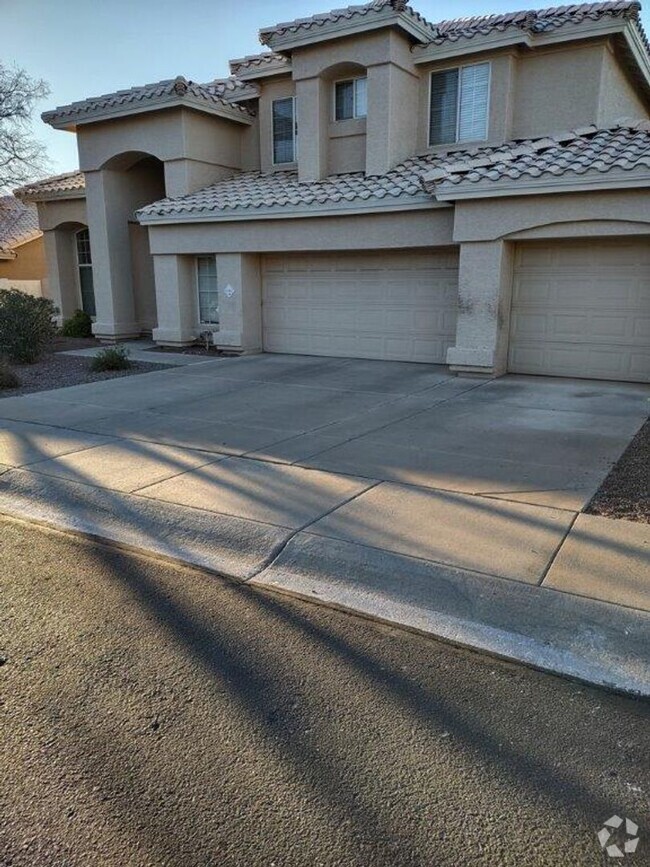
x: 22, y: 255
x: 378, y: 186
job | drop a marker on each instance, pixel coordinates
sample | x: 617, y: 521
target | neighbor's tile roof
x: 535, y: 21
x: 336, y: 16
x: 18, y: 223
x: 214, y: 94
x: 625, y: 146
x: 56, y: 186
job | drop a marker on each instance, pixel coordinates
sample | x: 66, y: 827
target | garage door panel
x: 399, y: 306
x: 582, y: 310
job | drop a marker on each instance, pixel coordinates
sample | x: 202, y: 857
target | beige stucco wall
x: 198, y: 148
x: 557, y: 89
x: 568, y: 214
x: 418, y: 228
x: 56, y: 212
x: 618, y: 96
x: 29, y: 263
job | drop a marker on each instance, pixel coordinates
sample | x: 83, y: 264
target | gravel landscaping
x: 59, y: 371
x: 625, y: 493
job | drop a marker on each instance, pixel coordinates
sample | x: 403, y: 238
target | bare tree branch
x: 22, y: 157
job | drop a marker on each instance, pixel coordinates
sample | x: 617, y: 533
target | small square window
x: 350, y: 99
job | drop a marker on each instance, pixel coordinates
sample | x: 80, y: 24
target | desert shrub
x: 8, y: 378
x: 78, y: 325
x: 26, y: 325
x: 111, y: 358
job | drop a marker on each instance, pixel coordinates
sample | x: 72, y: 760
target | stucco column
x: 176, y: 300
x: 484, y: 293
x: 61, y: 271
x: 107, y: 202
x: 313, y: 120
x: 392, y: 117
x: 240, y: 302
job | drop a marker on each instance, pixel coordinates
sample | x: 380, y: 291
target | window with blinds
x: 350, y: 99
x: 459, y: 104
x: 284, y: 130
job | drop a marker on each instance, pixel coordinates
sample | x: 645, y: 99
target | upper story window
x: 206, y: 279
x: 459, y: 104
x: 285, y: 130
x: 350, y: 98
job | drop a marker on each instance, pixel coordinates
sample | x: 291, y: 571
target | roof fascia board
x: 431, y: 53
x: 50, y: 196
x: 260, y: 72
x: 475, y: 44
x: 638, y: 49
x: 447, y: 192
x: 281, y: 213
x: 70, y: 121
x: 335, y: 30
x: 7, y: 255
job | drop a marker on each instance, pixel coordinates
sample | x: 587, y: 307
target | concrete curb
x: 591, y: 641
x: 595, y: 642
x: 233, y: 547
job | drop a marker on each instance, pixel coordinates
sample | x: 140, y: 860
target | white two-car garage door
x: 398, y: 306
x: 582, y: 309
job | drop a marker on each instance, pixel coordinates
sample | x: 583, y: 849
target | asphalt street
x: 157, y: 715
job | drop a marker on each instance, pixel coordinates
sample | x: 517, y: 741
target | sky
x: 86, y: 48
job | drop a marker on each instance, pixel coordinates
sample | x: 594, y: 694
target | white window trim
x: 295, y: 132
x: 207, y: 325
x: 460, y: 67
x: 354, y: 99
x: 80, y: 265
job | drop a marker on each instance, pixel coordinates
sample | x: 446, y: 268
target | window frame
x: 345, y: 80
x: 460, y: 67
x: 202, y: 323
x: 295, y: 133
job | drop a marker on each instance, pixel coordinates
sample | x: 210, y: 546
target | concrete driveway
x: 293, y: 471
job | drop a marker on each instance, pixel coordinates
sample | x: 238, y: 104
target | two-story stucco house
x: 474, y: 192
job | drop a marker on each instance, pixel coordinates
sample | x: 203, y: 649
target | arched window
x: 85, y: 264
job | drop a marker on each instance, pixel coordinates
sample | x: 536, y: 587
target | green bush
x: 111, y: 358
x: 78, y: 325
x: 26, y: 325
x: 8, y: 378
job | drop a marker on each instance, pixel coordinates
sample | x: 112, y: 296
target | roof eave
x: 279, y: 212
x: 7, y: 255
x: 348, y: 27
x: 546, y: 185
x: 637, y: 49
x: 71, y: 120
x: 37, y: 197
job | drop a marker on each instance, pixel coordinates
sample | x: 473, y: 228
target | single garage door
x: 397, y: 306
x: 582, y: 309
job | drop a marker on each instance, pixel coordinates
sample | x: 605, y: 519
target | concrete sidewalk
x: 175, y: 463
